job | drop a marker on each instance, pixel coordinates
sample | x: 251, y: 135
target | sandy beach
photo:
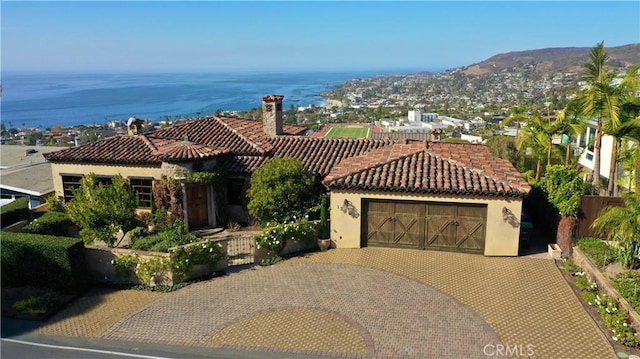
x: 329, y: 103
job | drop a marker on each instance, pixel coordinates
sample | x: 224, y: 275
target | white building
x: 450, y: 121
x: 414, y: 116
x: 584, y: 145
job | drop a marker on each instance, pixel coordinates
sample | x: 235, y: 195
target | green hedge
x: 53, y: 223
x: 42, y: 261
x: 15, y: 211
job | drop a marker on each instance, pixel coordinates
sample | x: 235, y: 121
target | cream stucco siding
x: 502, y: 238
x: 59, y: 169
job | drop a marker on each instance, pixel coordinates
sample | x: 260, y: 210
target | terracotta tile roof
x: 318, y: 155
x: 240, y: 136
x: 201, y: 138
x: 414, y: 168
x: 347, y: 163
x: 179, y: 151
x: 479, y: 157
x: 133, y: 150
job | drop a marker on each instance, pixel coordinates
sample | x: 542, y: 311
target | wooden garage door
x: 424, y: 225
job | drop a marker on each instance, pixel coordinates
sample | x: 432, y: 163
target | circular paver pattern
x: 397, y: 316
x: 297, y: 329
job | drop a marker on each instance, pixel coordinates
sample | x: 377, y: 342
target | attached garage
x: 424, y: 225
x: 452, y: 197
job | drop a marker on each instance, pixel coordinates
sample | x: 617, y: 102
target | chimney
x: 134, y: 125
x: 272, y: 115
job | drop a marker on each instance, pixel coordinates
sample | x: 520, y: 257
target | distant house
x: 383, y: 192
x: 24, y: 172
x: 583, y: 145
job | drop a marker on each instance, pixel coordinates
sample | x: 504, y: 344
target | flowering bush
x: 184, y: 258
x: 180, y: 262
x: 275, y: 238
x: 616, y: 320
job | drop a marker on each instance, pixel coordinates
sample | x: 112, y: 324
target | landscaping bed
x: 607, y: 292
x: 32, y: 303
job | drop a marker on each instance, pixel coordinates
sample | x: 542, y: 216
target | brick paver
x: 399, y: 316
x: 95, y: 312
x: 369, y: 302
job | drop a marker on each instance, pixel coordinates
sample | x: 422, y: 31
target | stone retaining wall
x: 98, y: 263
x: 604, y: 284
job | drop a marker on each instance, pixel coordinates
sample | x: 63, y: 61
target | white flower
x: 204, y: 245
x: 186, y: 260
x: 615, y: 339
x: 210, y: 250
x: 113, y: 261
x: 624, y: 324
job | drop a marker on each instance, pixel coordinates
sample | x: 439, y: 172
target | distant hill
x: 552, y: 60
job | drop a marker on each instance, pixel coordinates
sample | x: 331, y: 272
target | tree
x: 564, y: 187
x: 102, y: 211
x: 598, y: 100
x: 628, y: 124
x: 280, y: 190
x: 622, y: 224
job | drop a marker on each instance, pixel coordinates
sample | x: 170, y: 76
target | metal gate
x: 241, y: 249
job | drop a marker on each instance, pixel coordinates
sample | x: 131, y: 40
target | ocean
x: 42, y: 100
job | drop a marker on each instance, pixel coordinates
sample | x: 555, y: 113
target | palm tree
x: 628, y: 124
x: 518, y: 114
x: 622, y: 224
x: 573, y: 124
x: 597, y: 100
x: 536, y: 139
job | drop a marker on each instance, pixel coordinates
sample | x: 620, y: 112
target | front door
x: 197, y: 209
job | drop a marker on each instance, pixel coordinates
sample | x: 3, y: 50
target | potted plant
x: 324, y: 237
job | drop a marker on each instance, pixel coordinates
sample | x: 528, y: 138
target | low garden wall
x: 604, y: 283
x: 182, y: 263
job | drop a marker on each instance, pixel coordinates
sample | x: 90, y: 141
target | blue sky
x: 242, y: 35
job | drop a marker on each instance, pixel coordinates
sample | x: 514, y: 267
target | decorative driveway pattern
x: 95, y: 312
x: 396, y: 315
x: 296, y: 330
x: 525, y: 300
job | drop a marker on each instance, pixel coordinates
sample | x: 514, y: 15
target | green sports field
x: 352, y: 132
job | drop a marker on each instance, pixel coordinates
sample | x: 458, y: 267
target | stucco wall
x: 57, y: 169
x: 502, y: 238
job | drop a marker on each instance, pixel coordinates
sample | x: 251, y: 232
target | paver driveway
x: 375, y: 302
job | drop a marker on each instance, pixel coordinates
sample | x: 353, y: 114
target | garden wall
x: 604, y: 283
x: 100, y: 268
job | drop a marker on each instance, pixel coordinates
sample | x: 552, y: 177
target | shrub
x: 275, y: 238
x: 181, y: 261
x: 42, y: 261
x: 564, y: 188
x: 101, y: 211
x: 281, y: 190
x: 628, y: 285
x: 599, y: 251
x: 15, y: 211
x: 174, y: 235
x: 53, y: 223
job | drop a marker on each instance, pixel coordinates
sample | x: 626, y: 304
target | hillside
x: 552, y: 60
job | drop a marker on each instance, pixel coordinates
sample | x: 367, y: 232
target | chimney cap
x: 272, y: 98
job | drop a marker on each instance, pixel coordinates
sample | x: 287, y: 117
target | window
x: 69, y: 184
x: 143, y: 188
x: 235, y: 191
x: 279, y: 106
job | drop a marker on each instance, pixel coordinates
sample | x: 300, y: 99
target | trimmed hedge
x: 15, y: 211
x: 42, y: 261
x: 53, y: 223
